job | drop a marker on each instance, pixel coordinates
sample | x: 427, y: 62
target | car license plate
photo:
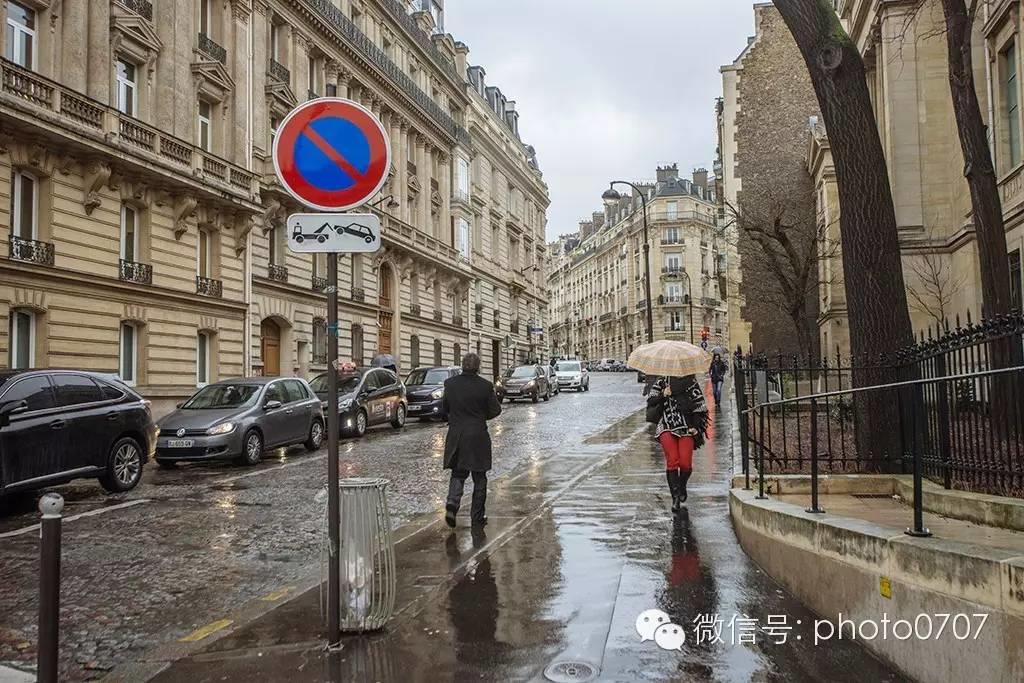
x: 180, y: 443
x: 415, y: 408
x: 513, y: 392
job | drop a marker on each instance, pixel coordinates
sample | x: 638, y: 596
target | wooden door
x: 270, y: 348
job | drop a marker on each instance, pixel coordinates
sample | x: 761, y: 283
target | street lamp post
x: 611, y: 197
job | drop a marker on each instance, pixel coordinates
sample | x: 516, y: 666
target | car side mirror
x: 12, y: 408
x: 179, y: 405
x: 272, y: 405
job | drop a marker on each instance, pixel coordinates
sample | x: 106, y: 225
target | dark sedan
x: 425, y: 390
x: 239, y: 419
x: 59, y: 425
x: 525, y: 381
x: 366, y: 397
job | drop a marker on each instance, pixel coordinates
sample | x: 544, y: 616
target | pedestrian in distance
x: 717, y: 373
x: 677, y: 406
x: 469, y: 402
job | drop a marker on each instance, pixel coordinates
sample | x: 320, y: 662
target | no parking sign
x: 332, y: 154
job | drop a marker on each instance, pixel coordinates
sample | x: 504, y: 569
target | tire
x: 399, y: 420
x: 316, y: 436
x: 359, y: 430
x: 124, y: 466
x: 167, y: 464
x: 252, y: 448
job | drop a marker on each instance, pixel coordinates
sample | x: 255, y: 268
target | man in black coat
x: 469, y: 402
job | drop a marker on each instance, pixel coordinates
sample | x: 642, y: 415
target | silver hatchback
x: 239, y: 419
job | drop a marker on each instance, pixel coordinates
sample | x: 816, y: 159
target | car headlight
x: 222, y: 428
x: 437, y: 393
x: 531, y: 384
x: 345, y: 405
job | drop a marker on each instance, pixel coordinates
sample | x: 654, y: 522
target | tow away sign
x: 340, y: 233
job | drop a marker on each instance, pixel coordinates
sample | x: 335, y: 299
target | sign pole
x: 333, y: 512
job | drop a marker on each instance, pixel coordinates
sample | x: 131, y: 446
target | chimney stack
x: 700, y: 178
x: 668, y: 173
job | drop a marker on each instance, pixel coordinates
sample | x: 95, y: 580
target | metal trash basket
x: 367, y: 556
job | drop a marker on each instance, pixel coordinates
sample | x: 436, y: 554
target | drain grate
x: 570, y: 672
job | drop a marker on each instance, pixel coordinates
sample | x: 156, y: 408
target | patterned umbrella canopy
x: 670, y: 358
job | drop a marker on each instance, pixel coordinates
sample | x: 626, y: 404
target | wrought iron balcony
x: 438, y: 316
x: 358, y: 294
x: 642, y: 304
x: 140, y: 273
x: 709, y: 302
x: 32, y: 251
x: 605, y: 317
x: 672, y: 271
x: 318, y: 284
x: 457, y: 321
x: 670, y: 240
x: 415, y: 309
x: 277, y: 273
x: 211, y: 49
x: 207, y: 286
x: 143, y: 8
x: 279, y: 71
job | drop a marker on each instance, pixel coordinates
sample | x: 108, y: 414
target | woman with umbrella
x: 676, y: 405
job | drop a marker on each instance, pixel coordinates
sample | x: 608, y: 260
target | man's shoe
x: 449, y: 515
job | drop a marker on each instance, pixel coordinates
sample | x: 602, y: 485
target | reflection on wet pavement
x: 577, y: 547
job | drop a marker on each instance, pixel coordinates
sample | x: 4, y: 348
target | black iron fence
x: 941, y: 398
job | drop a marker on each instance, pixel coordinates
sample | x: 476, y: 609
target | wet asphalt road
x: 189, y: 545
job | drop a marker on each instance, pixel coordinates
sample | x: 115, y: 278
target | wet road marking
x: 277, y: 595
x: 205, y: 631
x: 90, y: 513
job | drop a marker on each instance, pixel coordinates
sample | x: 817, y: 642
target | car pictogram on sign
x: 357, y: 230
x: 319, y: 234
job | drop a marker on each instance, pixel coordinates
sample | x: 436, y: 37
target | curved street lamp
x: 611, y: 197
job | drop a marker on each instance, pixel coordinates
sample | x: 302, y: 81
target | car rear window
x: 35, y: 391
x: 75, y: 389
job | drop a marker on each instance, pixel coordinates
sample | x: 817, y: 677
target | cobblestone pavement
x: 191, y: 544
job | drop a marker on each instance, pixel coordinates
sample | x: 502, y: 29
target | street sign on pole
x: 340, y: 233
x: 333, y: 155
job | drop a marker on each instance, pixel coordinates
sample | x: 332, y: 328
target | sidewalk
x: 576, y: 548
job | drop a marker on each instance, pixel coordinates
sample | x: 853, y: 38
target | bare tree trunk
x: 876, y: 298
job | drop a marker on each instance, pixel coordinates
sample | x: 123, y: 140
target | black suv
x: 59, y: 425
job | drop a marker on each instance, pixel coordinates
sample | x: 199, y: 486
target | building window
x: 24, y: 205
x: 463, y: 237
x: 205, y: 16
x: 675, y: 319
x: 1015, y: 280
x: 462, y: 179
x: 202, y: 359
x: 672, y: 262
x: 205, y: 125
x: 437, y: 352
x: 275, y: 41
x: 129, y: 233
x: 129, y: 353
x: 1011, y: 96
x: 672, y: 210
x: 127, y: 88
x: 414, y: 351
x: 672, y: 235
x: 457, y: 354
x: 22, y: 336
x: 205, y: 256
x: 357, y: 344
x: 21, y: 35
x: 312, y: 75
x: 319, y: 341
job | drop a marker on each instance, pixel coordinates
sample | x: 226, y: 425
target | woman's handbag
x: 654, y: 411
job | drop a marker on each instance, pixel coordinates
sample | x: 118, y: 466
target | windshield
x: 523, y: 372
x: 568, y: 367
x: 219, y: 396
x: 346, y: 383
x: 428, y: 377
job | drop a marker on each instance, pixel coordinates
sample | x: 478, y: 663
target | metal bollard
x: 51, y: 505
x: 919, y: 529
x: 815, y: 508
x: 760, y: 459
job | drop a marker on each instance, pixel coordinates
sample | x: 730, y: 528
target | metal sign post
x: 333, y: 155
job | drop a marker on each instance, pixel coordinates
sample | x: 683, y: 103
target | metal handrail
x: 876, y: 387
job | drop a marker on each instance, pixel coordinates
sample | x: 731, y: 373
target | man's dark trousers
x: 456, y: 487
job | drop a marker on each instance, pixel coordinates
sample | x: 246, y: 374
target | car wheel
x: 124, y: 466
x: 360, y: 428
x: 399, y: 420
x: 252, y: 448
x: 167, y: 464
x: 316, y: 436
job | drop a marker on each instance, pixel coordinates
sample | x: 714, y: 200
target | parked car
x: 525, y: 381
x: 605, y: 364
x: 60, y: 425
x: 618, y: 366
x: 239, y: 419
x: 424, y: 389
x: 366, y: 397
x: 552, y: 377
x: 572, y: 375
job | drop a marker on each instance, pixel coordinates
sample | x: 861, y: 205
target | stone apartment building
x: 598, y: 303
x: 143, y: 226
x: 763, y: 117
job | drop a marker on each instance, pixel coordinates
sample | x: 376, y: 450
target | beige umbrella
x: 668, y: 358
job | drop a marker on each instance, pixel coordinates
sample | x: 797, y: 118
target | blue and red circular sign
x: 332, y: 154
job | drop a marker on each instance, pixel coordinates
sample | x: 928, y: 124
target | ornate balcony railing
x: 605, y: 317
x: 134, y: 136
x: 318, y: 284
x: 279, y: 71
x: 378, y: 58
x: 32, y: 251
x: 277, y: 273
x: 709, y: 301
x: 209, y: 47
x: 358, y: 294
x: 140, y: 273
x: 457, y: 321
x: 143, y: 8
x: 207, y: 286
x: 641, y: 305
x: 478, y: 318
x: 415, y: 309
x: 438, y: 316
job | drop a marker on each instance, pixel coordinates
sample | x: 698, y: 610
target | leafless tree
x: 935, y: 285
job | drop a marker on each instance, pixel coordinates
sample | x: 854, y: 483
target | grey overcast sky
x: 606, y: 89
